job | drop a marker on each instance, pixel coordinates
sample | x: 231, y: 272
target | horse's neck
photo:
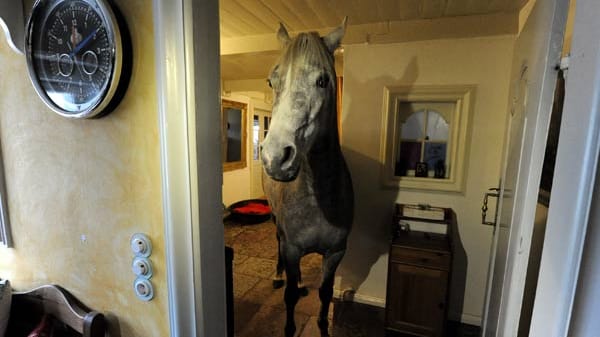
x: 325, y: 158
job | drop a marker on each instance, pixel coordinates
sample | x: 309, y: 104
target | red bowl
x: 252, y: 211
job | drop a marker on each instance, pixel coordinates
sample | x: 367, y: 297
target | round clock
x: 78, y: 56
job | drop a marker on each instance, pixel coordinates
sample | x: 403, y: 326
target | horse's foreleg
x: 330, y: 264
x: 303, y: 291
x: 291, y: 296
x: 278, y: 279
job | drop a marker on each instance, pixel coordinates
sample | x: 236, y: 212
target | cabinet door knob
x: 441, y: 305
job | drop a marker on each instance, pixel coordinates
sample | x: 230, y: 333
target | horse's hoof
x: 303, y: 291
x: 278, y: 284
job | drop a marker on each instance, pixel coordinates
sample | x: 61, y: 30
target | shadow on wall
x: 113, y: 325
x: 371, y: 231
x: 374, y: 204
x: 458, y: 279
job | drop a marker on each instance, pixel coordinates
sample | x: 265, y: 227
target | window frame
x: 463, y: 96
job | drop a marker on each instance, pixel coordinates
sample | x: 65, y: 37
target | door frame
x: 188, y: 38
x: 573, y: 184
x: 186, y: 34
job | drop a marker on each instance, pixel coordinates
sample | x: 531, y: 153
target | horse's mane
x: 307, y: 48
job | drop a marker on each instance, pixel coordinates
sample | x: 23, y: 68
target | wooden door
x: 416, y: 300
x: 537, y: 50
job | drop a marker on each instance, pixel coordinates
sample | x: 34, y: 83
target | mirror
x: 233, y: 134
x: 425, y: 136
x: 422, y: 139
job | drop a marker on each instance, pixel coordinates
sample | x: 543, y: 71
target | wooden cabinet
x: 418, y: 281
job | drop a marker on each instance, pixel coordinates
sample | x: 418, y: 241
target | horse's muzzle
x: 280, y: 162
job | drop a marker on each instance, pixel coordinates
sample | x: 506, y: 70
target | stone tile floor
x: 259, y: 310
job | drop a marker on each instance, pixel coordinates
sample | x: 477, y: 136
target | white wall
x: 484, y: 62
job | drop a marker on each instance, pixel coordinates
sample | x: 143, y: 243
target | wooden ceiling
x: 248, y: 26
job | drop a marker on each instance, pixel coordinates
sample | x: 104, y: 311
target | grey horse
x: 306, y: 178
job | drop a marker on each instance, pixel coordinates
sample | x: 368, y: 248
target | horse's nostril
x: 288, y: 155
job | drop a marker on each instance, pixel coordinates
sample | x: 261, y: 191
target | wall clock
x: 78, y: 56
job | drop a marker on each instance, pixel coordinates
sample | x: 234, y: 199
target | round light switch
x: 141, y: 245
x: 142, y: 267
x: 143, y: 289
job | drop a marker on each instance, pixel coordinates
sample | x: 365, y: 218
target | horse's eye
x: 269, y: 83
x: 322, y: 81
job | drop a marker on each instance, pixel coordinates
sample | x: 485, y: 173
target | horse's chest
x: 314, y: 221
x: 319, y: 237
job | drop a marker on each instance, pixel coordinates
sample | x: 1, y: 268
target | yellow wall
x: 569, y: 28
x: 78, y: 189
x: 484, y: 62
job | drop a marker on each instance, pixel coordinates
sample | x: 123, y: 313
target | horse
x: 278, y: 280
x: 305, y: 177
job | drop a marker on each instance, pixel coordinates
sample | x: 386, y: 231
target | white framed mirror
x: 425, y: 136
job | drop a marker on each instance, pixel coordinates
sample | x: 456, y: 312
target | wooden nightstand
x: 419, y: 269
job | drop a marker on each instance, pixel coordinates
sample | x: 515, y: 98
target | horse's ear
x: 282, y: 35
x: 333, y: 39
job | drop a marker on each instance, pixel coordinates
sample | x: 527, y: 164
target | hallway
x: 259, y: 310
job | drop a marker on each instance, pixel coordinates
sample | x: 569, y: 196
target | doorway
x: 360, y: 137
x: 260, y: 127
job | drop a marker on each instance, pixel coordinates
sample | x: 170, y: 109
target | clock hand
x: 84, y: 42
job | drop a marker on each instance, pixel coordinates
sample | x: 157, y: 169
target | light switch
x: 143, y: 289
x: 141, y: 245
x: 142, y: 267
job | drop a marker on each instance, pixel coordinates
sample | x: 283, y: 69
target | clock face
x: 74, y: 55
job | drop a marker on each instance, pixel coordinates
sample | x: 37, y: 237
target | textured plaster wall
x: 78, y: 190
x: 484, y: 62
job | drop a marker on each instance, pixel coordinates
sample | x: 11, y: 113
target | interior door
x: 260, y: 126
x: 537, y: 51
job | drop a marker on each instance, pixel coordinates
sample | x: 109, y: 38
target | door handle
x: 494, y: 193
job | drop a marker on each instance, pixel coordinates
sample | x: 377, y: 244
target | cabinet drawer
x: 419, y: 257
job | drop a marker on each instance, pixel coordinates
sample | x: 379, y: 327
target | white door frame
x: 187, y: 65
x: 187, y: 59
x: 573, y: 183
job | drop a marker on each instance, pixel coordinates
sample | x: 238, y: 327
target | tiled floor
x: 259, y: 310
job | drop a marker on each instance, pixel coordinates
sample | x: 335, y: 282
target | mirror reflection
x: 423, y: 139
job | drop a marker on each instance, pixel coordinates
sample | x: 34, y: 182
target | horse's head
x: 304, y: 86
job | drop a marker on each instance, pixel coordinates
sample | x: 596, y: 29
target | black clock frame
x: 110, y: 95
